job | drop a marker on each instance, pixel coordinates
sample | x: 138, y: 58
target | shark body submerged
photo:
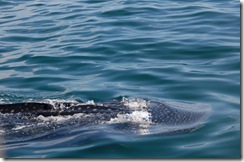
x: 129, y: 115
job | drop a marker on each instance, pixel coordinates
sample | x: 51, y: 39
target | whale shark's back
x: 173, y: 114
x: 131, y: 116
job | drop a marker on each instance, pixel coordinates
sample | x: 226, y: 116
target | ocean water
x: 182, y: 51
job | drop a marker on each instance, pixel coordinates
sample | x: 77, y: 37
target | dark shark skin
x: 45, y: 109
x: 160, y: 112
x: 165, y: 119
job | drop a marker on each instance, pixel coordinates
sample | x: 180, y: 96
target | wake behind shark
x: 125, y: 115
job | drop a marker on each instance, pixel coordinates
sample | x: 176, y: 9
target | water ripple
x: 101, y: 50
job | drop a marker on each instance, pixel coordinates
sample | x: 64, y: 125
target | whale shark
x: 45, y: 109
x: 128, y: 115
x: 160, y: 112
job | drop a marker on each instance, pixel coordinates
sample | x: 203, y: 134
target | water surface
x: 102, y: 50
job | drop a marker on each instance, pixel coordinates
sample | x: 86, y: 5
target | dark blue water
x: 184, y: 51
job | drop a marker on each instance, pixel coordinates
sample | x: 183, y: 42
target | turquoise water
x: 101, y: 50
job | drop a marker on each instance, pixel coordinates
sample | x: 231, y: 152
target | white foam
x: 58, y: 103
x: 58, y: 119
x: 19, y: 127
x: 135, y: 103
x: 135, y: 117
x: 1, y: 101
x: 91, y: 102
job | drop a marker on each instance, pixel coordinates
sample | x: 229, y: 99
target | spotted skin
x: 45, y: 109
x: 175, y: 116
x: 160, y: 112
x: 24, y: 107
x: 165, y: 118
